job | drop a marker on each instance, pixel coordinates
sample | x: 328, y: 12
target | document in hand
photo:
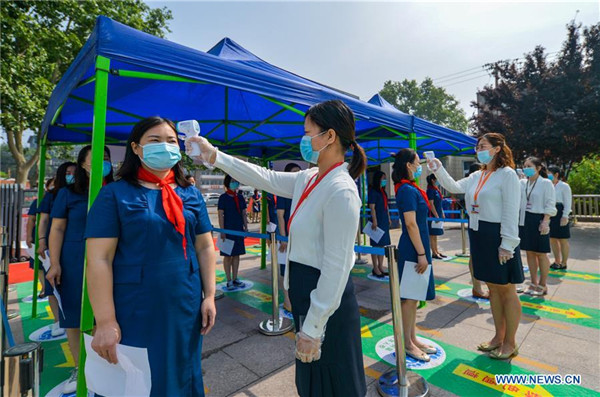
x: 129, y: 377
x: 59, y: 300
x: 225, y: 246
x: 376, y: 234
x: 437, y: 224
x: 271, y: 227
x: 46, y: 262
x: 414, y: 285
x: 31, y: 252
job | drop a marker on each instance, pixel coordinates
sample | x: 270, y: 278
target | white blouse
x: 322, y: 233
x: 563, y: 194
x: 498, y: 201
x: 537, y: 198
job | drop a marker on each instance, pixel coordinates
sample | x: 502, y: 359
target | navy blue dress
x: 383, y: 219
x: 408, y: 198
x: 157, y: 291
x: 72, y: 207
x: 32, y: 212
x: 433, y: 194
x: 234, y: 220
x: 272, y: 207
x: 46, y: 208
x: 285, y: 204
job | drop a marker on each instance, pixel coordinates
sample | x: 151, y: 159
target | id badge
x: 474, y: 222
x: 528, y: 207
x: 474, y: 209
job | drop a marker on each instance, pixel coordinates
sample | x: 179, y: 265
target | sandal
x: 487, y: 347
x: 497, y: 356
x: 555, y: 266
x: 531, y: 290
x: 420, y: 357
x: 480, y: 296
x: 540, y: 291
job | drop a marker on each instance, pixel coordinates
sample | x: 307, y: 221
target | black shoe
x: 436, y: 257
x: 443, y: 256
x: 555, y: 266
x: 377, y: 275
x: 561, y: 267
x: 239, y: 284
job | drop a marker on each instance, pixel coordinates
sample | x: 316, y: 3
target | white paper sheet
x: 129, y: 377
x: 281, y: 256
x: 414, y: 285
x: 31, y: 252
x: 375, y: 235
x: 225, y: 246
x: 437, y: 224
x: 59, y: 300
x: 271, y: 227
x: 46, y: 262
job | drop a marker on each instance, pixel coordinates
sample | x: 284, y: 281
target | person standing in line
x: 232, y: 216
x: 538, y: 205
x: 560, y: 232
x: 492, y: 198
x: 434, y: 195
x: 380, y: 218
x: 67, y: 249
x: 151, y: 262
x: 322, y: 230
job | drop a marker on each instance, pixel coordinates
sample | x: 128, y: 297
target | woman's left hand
x: 564, y: 221
x: 209, y: 314
x: 308, y: 349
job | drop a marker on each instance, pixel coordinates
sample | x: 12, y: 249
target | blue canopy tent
x: 245, y: 106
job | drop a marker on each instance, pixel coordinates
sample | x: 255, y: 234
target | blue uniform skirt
x: 486, y: 262
x: 556, y: 230
x: 340, y: 371
x: 71, y: 282
x: 531, y: 238
x: 434, y: 232
x: 239, y: 247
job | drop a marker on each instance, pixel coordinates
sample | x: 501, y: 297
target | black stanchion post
x: 463, y: 234
x: 276, y: 325
x: 399, y: 381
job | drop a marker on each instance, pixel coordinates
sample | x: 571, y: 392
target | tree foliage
x: 426, y: 101
x: 585, y: 177
x: 549, y: 109
x: 39, y: 40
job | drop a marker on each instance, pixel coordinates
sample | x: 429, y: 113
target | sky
x: 357, y: 46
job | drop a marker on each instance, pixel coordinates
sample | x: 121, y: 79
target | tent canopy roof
x: 243, y: 104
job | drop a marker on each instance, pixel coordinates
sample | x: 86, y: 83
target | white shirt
x: 563, y: 195
x: 322, y: 232
x: 498, y: 201
x: 537, y: 198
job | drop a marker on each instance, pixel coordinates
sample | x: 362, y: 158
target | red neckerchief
x: 235, y: 198
x: 385, y: 198
x: 412, y: 183
x: 438, y: 190
x: 172, y: 203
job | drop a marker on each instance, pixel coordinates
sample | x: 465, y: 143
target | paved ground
x: 559, y: 334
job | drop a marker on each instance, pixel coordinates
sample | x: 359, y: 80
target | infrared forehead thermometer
x: 189, y: 129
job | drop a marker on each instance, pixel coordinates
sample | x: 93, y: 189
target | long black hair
x: 431, y: 178
x: 132, y: 163
x: 538, y: 163
x: 82, y: 179
x: 60, y: 180
x: 290, y: 166
x: 337, y: 116
x: 376, y: 181
x: 401, y: 161
x: 556, y: 170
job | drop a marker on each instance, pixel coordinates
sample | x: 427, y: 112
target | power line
x: 446, y: 80
x: 464, y: 81
x: 452, y: 74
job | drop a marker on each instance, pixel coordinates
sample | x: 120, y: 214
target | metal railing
x: 586, y: 207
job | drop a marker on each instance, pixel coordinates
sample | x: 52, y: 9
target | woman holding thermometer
x: 322, y: 229
x: 492, y: 197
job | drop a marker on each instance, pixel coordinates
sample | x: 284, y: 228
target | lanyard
x: 531, y: 191
x: 308, y: 190
x: 482, y: 181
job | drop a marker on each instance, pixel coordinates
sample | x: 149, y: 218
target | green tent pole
x: 99, y: 130
x: 364, y: 205
x: 263, y: 225
x: 40, y: 195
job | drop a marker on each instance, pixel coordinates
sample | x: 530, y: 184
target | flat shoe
x: 421, y: 357
x: 494, y: 354
x: 487, y: 347
x: 480, y: 296
x: 436, y: 257
x: 428, y: 350
x: 555, y: 266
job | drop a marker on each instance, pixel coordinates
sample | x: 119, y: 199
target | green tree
x: 585, y: 177
x: 549, y: 109
x: 39, y: 40
x: 427, y: 101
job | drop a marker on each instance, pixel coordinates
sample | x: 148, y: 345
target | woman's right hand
x: 283, y: 246
x: 53, y: 275
x: 207, y: 150
x: 41, y: 251
x: 105, y: 341
x: 434, y: 164
x: 422, y: 264
x: 223, y: 236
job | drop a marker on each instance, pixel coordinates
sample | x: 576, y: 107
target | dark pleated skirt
x: 340, y: 371
x: 484, y: 254
x: 531, y: 239
x: 556, y: 230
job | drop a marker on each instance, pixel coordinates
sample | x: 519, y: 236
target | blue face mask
x: 529, y: 172
x: 106, y: 168
x: 234, y: 185
x: 70, y: 179
x: 161, y: 156
x: 484, y: 157
x: 383, y: 182
x: 551, y: 177
x: 418, y: 172
x: 306, y: 149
